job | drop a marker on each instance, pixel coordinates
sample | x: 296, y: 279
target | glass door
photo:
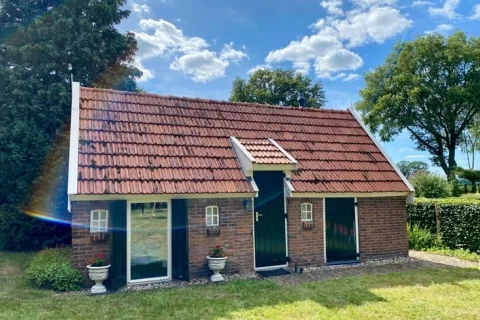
x: 149, y: 242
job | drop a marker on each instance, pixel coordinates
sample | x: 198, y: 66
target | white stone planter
x: 98, y: 274
x: 216, y: 265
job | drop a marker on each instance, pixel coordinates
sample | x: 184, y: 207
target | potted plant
x: 216, y: 263
x: 98, y: 272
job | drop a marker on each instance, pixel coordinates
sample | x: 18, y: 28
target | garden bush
x: 459, y: 220
x: 430, y: 185
x: 51, y: 269
x: 420, y: 239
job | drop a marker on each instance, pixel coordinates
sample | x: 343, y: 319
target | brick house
x: 156, y: 181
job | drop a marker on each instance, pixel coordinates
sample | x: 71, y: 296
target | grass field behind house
x: 421, y: 294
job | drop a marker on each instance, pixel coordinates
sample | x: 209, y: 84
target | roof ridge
x: 233, y: 103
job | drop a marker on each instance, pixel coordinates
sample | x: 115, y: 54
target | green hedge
x: 459, y: 220
x: 51, y: 269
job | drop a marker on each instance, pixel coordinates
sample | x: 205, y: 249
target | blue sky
x: 196, y: 48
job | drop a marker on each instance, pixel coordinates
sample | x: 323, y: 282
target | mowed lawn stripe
x: 445, y: 293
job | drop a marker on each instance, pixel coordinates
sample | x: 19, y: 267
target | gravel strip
x: 251, y: 275
x: 377, y: 262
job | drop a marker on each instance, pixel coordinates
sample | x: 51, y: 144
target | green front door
x: 269, y: 217
x: 340, y: 230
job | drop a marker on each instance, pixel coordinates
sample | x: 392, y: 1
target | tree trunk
x: 452, y: 164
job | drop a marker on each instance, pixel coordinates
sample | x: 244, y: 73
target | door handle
x: 257, y: 215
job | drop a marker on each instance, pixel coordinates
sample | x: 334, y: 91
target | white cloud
x: 140, y: 8
x: 335, y: 61
x: 447, y: 11
x: 302, y: 67
x: 228, y: 53
x: 333, y: 7
x: 147, y: 74
x: 306, y: 49
x: 200, y: 66
x: 351, y: 77
x: 160, y: 38
x: 258, y: 67
x: 371, y: 3
x: 421, y: 3
x: 377, y: 24
x: 476, y: 12
x: 440, y: 28
x: 415, y: 156
x: 328, y: 50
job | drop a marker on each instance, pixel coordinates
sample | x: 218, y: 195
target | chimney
x: 301, y: 100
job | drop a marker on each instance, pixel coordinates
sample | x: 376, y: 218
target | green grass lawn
x: 420, y: 294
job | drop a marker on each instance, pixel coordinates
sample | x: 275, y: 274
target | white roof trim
x: 349, y: 194
x: 159, y: 197
x: 285, y: 153
x: 242, y: 148
x: 274, y: 167
x: 359, y: 120
x: 74, y: 137
x: 244, y: 157
x: 288, y: 187
x: 254, y: 185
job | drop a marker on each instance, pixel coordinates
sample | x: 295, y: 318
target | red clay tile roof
x: 264, y: 151
x: 135, y: 143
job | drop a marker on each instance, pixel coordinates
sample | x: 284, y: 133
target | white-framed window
x: 211, y: 216
x: 99, y: 220
x: 307, y: 211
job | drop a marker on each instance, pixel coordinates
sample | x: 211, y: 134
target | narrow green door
x: 269, y: 217
x: 180, y: 240
x: 118, y: 245
x: 340, y: 230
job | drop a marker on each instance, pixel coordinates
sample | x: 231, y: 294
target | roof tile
x: 136, y: 143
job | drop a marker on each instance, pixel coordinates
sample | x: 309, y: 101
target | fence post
x: 437, y: 219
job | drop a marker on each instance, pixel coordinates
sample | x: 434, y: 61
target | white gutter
x: 74, y: 143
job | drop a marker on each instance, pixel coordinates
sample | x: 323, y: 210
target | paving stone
x: 374, y: 267
x: 450, y: 261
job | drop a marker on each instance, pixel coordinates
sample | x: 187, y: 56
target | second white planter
x: 216, y: 265
x: 98, y: 274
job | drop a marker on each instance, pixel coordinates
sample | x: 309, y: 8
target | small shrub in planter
x: 98, y: 270
x: 51, y: 269
x: 216, y: 262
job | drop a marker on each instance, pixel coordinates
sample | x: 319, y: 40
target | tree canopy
x: 410, y: 168
x: 278, y: 87
x: 429, y: 87
x: 42, y: 44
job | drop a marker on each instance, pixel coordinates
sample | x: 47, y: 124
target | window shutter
x: 118, y: 245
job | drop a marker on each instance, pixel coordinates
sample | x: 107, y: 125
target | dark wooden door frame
x: 357, y: 236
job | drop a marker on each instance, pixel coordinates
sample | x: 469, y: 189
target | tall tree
x: 410, y: 168
x: 42, y: 44
x: 429, y: 87
x: 278, y: 87
x: 470, y: 141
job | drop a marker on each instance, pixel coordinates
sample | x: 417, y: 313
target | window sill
x: 308, y: 224
x: 99, y: 236
x: 213, y: 231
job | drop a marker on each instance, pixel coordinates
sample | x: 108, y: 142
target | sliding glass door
x: 148, y: 241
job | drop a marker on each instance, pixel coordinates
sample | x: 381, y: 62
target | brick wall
x: 236, y: 227
x: 84, y: 246
x: 305, y: 246
x: 382, y: 233
x: 382, y: 227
